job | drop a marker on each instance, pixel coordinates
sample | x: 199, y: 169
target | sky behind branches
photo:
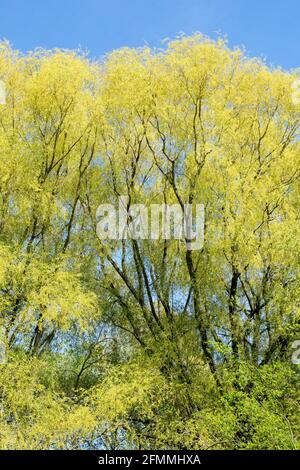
x: 266, y: 28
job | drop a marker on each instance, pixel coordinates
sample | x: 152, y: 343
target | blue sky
x: 268, y: 28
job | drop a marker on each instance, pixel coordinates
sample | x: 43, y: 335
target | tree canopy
x: 145, y: 344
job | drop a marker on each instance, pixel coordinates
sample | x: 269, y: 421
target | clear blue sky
x: 268, y: 28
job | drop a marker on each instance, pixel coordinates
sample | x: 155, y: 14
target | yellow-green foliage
x: 144, y: 344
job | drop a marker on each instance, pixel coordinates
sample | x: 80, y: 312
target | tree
x: 145, y: 343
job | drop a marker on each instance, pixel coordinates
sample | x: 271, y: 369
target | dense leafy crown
x: 142, y: 343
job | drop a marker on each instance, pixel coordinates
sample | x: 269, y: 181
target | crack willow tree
x: 143, y: 343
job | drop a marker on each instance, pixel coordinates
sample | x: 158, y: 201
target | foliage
x: 143, y: 343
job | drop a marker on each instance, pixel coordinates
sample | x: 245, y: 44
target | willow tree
x: 145, y: 343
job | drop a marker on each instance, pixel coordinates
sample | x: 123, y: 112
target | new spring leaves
x: 160, y: 221
x: 295, y: 92
x: 2, y: 343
